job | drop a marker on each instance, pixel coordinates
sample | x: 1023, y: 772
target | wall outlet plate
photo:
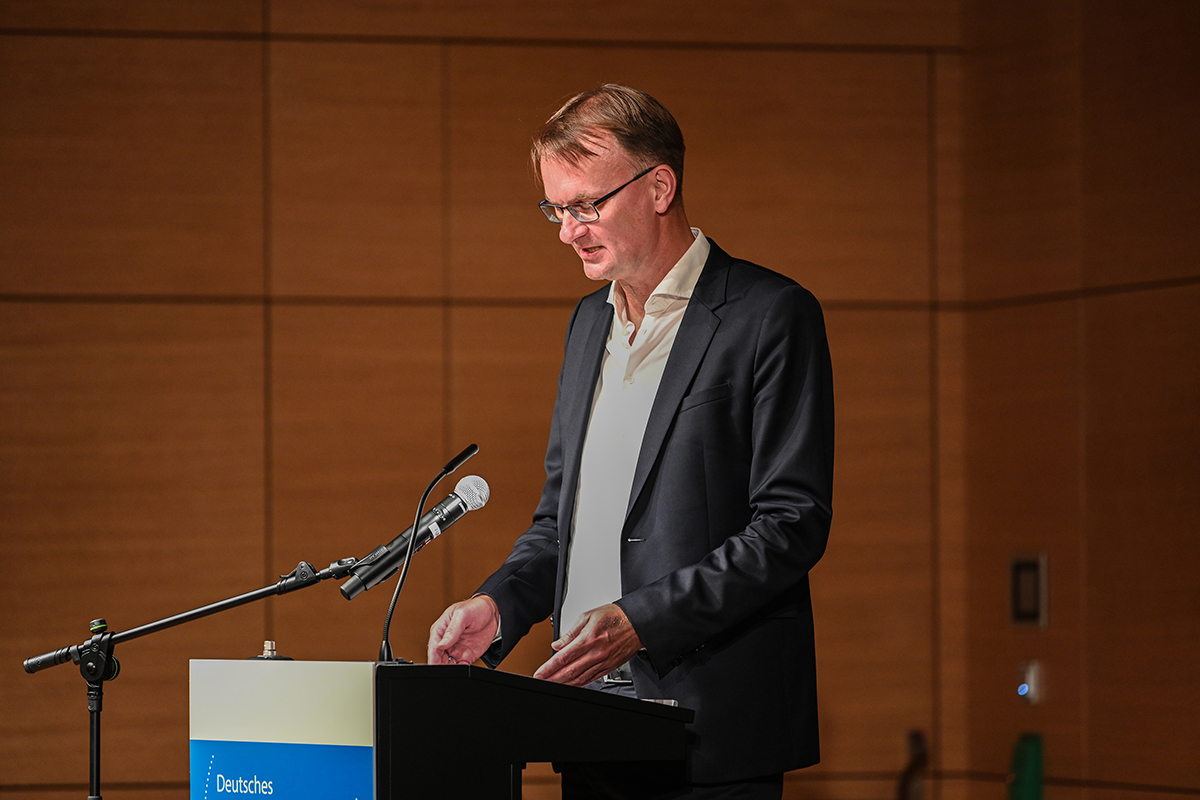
x: 1030, y: 591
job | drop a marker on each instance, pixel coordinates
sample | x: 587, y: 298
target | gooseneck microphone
x: 471, y: 494
x: 407, y: 558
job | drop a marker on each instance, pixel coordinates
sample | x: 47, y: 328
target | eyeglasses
x: 584, y: 212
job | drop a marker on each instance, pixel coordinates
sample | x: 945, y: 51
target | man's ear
x: 664, y: 185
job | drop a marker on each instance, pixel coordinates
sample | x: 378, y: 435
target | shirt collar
x: 677, y: 284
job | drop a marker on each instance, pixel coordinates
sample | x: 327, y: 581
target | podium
x: 293, y: 730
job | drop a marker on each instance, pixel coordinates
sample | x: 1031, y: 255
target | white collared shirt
x: 629, y: 377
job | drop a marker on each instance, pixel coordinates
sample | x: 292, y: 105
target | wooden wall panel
x: 860, y: 22
x: 950, y: 547
x: 821, y: 174
x: 950, y: 735
x: 811, y: 784
x: 874, y: 583
x: 356, y: 409
x: 964, y: 787
x: 356, y: 170
x: 130, y: 166
x: 1024, y: 497
x: 1140, y: 124
x: 1057, y: 792
x: 225, y: 16
x: 500, y: 244
x: 130, y: 489
x: 1081, y: 413
x: 1143, y: 459
x: 540, y: 782
x: 1024, y: 165
x: 949, y: 88
x: 504, y: 376
x: 829, y: 184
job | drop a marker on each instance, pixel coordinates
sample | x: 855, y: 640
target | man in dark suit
x: 688, y: 475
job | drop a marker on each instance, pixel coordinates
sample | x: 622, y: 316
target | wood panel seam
x: 486, y: 41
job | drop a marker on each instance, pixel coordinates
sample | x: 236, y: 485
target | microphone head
x: 473, y: 491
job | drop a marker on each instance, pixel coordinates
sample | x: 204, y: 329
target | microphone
x: 471, y: 494
x: 461, y: 459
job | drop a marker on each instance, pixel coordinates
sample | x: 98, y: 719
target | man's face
x: 611, y: 248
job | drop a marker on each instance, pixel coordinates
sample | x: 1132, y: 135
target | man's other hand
x: 464, y: 631
x: 600, y: 641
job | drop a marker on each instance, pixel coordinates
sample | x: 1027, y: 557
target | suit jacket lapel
x: 696, y: 331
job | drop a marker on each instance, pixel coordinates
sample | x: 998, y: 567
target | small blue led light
x: 1023, y: 689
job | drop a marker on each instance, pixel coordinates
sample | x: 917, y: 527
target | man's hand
x: 464, y: 631
x: 600, y: 641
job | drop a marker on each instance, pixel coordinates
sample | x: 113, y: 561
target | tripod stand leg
x: 95, y: 706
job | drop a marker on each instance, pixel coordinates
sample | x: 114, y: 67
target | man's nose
x: 570, y: 229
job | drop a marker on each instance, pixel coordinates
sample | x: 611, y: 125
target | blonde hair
x: 641, y: 125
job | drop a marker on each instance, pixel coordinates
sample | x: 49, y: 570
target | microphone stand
x: 385, y: 648
x: 97, y: 663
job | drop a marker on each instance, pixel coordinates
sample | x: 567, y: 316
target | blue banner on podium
x: 281, y: 771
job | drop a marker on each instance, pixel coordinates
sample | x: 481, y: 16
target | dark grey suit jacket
x: 730, y: 509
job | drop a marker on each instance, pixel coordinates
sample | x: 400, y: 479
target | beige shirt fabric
x: 629, y: 377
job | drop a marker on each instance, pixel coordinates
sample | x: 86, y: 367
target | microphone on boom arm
x: 471, y: 494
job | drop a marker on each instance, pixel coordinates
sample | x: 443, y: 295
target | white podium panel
x: 287, y: 730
